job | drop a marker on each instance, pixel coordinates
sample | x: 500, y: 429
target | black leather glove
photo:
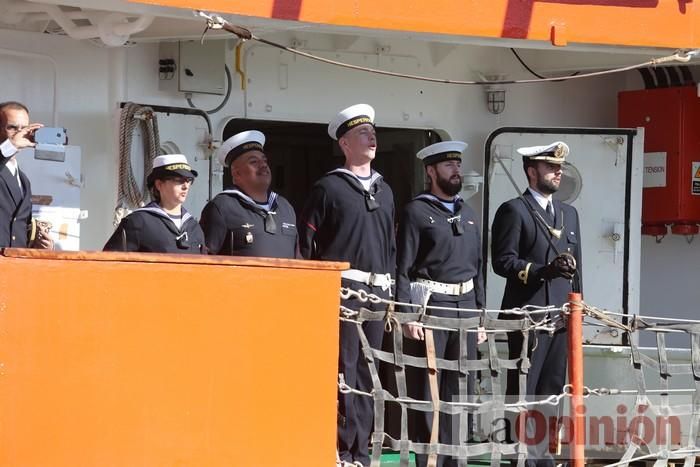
x: 564, y: 265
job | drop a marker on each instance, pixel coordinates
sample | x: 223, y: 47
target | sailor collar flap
x: 452, y: 218
x: 354, y: 181
x: 432, y: 199
x: 155, y: 209
x: 268, y: 215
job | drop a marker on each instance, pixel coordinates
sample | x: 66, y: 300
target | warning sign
x: 696, y: 179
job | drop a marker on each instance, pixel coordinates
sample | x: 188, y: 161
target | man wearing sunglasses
x: 16, y: 227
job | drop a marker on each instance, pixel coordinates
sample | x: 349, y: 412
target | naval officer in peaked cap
x: 349, y: 216
x: 163, y: 225
x: 249, y: 219
x: 439, y: 263
x: 536, y: 246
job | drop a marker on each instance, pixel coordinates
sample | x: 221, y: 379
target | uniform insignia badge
x: 522, y: 275
x: 247, y: 226
x: 559, y: 152
x: 249, y: 237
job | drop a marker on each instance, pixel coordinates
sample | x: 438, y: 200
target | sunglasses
x: 181, y: 180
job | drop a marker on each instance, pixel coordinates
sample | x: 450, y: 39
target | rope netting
x: 661, y: 420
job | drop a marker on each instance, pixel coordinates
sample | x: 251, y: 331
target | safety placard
x: 696, y: 179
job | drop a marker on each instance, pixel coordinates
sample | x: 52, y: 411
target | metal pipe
x: 133, y: 27
x: 109, y: 27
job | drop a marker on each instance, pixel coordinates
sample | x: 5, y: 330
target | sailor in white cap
x: 536, y: 246
x: 248, y: 219
x: 163, y: 225
x: 439, y: 263
x: 349, y: 216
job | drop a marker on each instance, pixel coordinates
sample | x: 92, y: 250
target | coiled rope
x: 130, y: 195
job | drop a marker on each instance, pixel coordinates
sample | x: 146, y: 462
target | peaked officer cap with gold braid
x: 554, y: 153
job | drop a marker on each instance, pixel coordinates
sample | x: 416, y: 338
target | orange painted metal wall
x: 155, y: 360
x: 659, y: 23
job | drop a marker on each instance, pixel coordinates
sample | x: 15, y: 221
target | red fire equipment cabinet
x: 671, y: 120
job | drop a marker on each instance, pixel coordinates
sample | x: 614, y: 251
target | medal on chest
x: 248, y: 235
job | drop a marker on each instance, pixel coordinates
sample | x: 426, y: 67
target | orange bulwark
x: 116, y: 359
x: 647, y: 23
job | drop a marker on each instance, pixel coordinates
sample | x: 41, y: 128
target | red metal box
x: 671, y: 119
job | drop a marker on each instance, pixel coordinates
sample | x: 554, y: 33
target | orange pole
x: 575, y: 326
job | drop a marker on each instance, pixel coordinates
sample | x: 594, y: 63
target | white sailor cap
x: 349, y: 118
x: 554, y: 153
x: 238, y: 144
x: 169, y: 165
x: 442, y: 151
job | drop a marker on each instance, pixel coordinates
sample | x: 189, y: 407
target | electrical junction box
x: 192, y: 67
x: 671, y: 118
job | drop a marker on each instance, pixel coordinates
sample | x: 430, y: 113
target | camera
x: 48, y: 135
x: 50, y: 144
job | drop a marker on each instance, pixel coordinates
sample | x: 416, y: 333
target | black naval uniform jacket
x: 15, y: 208
x: 439, y: 245
x: 342, y: 221
x: 234, y: 224
x: 519, y: 250
x: 150, y: 230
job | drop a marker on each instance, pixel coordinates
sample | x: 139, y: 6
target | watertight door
x: 603, y: 181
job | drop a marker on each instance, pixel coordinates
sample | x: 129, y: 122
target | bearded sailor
x: 439, y: 264
x: 249, y: 219
x: 349, y: 216
x: 164, y: 225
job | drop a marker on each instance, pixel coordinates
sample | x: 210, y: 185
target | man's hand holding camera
x: 23, y: 137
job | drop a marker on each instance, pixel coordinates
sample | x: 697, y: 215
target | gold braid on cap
x: 177, y: 167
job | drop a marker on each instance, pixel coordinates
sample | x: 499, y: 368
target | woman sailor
x: 163, y: 226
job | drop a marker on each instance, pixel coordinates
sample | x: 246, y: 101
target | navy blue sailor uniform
x: 15, y: 208
x: 343, y: 221
x: 440, y: 249
x: 152, y: 230
x: 234, y: 224
x: 520, y: 251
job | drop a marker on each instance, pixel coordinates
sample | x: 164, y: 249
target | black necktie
x: 19, y: 181
x: 550, y: 210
